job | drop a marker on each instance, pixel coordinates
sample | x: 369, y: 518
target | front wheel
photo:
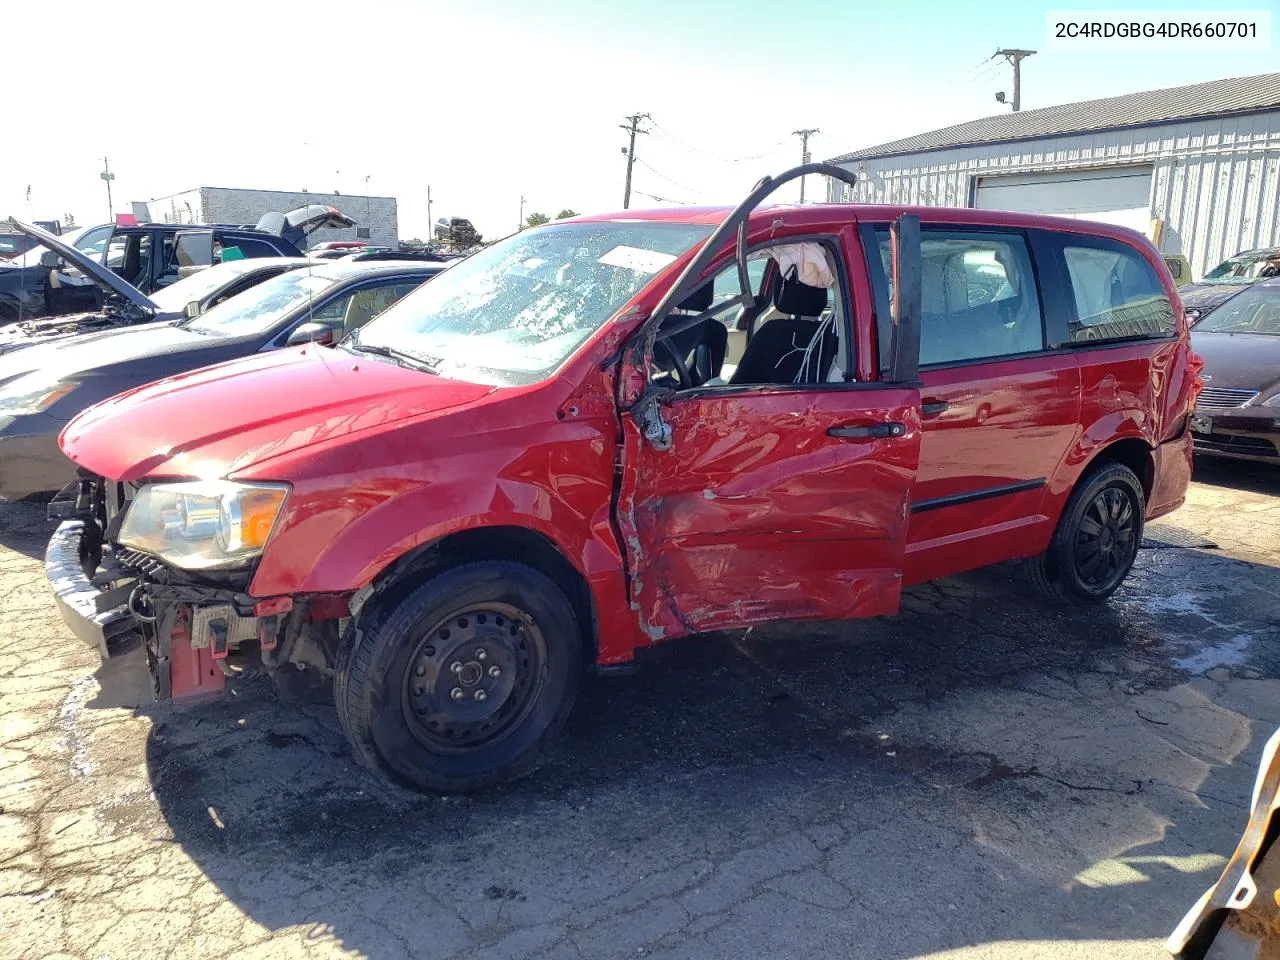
x: 1097, y: 539
x: 461, y: 683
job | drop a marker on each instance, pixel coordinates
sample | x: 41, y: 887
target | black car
x: 45, y: 386
x: 1227, y: 279
x: 124, y: 305
x: 148, y: 256
x: 14, y: 243
x: 1238, y: 411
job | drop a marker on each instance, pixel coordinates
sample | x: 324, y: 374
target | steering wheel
x: 677, y: 361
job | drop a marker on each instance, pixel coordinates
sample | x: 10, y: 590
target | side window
x: 93, y: 242
x: 247, y: 248
x: 353, y: 310
x: 790, y: 337
x: 1117, y: 294
x: 978, y: 297
x: 725, y: 286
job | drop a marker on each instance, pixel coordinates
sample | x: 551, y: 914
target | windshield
x: 512, y: 313
x: 90, y: 241
x: 260, y: 308
x: 201, y: 284
x: 1253, y: 311
x: 1245, y: 269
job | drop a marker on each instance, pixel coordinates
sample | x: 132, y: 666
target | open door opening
x: 747, y: 502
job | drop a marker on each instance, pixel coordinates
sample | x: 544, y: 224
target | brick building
x: 376, y: 218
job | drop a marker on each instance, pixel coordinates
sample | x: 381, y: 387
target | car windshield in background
x: 1244, y: 269
x: 94, y: 240
x: 175, y: 297
x: 1253, y: 311
x: 260, y: 308
x: 514, y: 312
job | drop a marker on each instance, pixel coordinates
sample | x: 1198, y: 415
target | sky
x: 489, y: 101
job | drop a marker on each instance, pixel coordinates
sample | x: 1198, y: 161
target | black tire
x: 460, y: 683
x: 1083, y: 563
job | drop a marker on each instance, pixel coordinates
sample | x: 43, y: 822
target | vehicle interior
x: 129, y: 257
x: 788, y: 334
x: 973, y: 303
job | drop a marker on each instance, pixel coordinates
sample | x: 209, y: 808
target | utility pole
x: 520, y: 223
x: 431, y: 226
x: 108, y: 176
x: 632, y: 126
x: 804, y: 136
x: 1015, y: 57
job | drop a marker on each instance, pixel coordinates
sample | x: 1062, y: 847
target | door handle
x: 869, y: 432
x: 933, y: 408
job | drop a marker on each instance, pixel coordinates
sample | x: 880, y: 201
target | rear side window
x: 978, y: 296
x: 248, y: 248
x: 1117, y: 294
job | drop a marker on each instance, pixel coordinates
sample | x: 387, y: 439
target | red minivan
x: 612, y: 431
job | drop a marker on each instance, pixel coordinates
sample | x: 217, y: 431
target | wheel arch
x: 1132, y: 452
x: 507, y: 542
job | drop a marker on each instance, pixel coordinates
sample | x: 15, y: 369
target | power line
x: 683, y: 203
x: 663, y: 176
x: 983, y: 76
x: 659, y: 128
x: 981, y: 63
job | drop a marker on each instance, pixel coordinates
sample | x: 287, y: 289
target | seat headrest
x: 798, y: 299
x: 699, y: 300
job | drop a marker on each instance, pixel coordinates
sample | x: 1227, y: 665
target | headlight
x: 33, y: 394
x: 1272, y: 401
x: 203, y: 524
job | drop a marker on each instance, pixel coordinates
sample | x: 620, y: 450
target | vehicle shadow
x: 891, y: 788
x: 1238, y: 474
x: 24, y: 528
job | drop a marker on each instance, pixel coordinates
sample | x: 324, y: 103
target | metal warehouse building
x: 375, y: 217
x: 1196, y: 168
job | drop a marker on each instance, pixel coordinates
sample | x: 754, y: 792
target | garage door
x: 1119, y: 196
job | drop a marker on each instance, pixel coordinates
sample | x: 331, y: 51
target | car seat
x: 780, y: 351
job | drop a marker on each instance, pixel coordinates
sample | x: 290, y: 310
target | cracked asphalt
x: 979, y: 777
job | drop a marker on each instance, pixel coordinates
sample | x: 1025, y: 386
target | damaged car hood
x: 215, y: 421
x: 33, y: 333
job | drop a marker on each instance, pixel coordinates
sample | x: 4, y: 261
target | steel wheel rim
x: 1106, y: 540
x: 473, y: 678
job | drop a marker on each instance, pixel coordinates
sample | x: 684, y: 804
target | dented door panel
x: 756, y: 512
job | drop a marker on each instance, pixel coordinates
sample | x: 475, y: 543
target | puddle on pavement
x: 1208, y: 619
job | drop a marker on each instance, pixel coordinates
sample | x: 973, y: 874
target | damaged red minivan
x: 608, y: 432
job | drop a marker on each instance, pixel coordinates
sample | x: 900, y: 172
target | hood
x: 1205, y: 296
x: 31, y: 333
x: 296, y: 225
x: 216, y: 421
x: 63, y: 358
x: 100, y: 275
x: 1249, y: 361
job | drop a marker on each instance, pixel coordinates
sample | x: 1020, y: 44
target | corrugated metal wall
x: 1216, y: 182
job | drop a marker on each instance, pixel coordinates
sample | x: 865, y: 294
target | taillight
x: 1195, y: 364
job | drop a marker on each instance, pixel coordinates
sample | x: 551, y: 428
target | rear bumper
x: 98, y: 616
x: 31, y: 465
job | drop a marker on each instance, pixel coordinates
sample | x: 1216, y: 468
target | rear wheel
x: 461, y: 683
x: 1097, y: 539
